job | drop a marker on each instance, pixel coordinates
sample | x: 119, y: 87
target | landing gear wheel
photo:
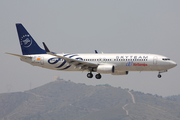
x: 89, y: 75
x: 159, y: 75
x: 98, y: 76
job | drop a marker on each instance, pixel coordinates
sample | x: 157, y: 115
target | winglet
x: 96, y: 51
x: 45, y: 47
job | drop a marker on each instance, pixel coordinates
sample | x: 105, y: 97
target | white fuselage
x: 122, y: 62
x: 115, y: 64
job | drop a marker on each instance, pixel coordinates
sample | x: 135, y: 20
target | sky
x: 82, y: 26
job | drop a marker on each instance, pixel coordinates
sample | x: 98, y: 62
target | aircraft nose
x: 173, y: 64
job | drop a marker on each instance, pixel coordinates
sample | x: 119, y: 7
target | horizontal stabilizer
x: 22, y: 56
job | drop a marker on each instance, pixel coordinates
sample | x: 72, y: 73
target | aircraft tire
x: 89, y: 75
x: 98, y: 76
x: 159, y: 75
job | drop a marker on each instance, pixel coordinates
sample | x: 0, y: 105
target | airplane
x: 114, y: 63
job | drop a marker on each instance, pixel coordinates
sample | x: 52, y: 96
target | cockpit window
x: 166, y: 59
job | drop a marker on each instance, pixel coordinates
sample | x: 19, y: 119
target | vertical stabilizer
x: 27, y: 43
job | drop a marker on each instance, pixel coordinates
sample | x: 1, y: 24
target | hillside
x: 65, y: 100
x: 175, y: 98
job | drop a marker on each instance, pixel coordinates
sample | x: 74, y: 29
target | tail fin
x: 28, y: 44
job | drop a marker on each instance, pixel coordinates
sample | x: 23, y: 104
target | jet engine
x: 105, y: 69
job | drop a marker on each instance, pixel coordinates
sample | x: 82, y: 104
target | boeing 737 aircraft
x: 115, y: 64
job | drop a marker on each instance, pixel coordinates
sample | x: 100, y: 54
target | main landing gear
x: 90, y: 75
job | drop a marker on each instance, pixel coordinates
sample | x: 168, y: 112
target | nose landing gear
x: 159, y: 75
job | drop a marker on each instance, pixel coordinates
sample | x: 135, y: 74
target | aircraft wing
x: 70, y: 61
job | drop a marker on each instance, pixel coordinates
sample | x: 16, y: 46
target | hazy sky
x: 80, y: 26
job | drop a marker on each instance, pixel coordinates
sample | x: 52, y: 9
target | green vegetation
x: 65, y: 100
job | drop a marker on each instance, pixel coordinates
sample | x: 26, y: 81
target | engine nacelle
x: 120, y: 73
x: 105, y: 69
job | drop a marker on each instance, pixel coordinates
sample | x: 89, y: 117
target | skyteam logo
x: 26, y: 41
x: 63, y: 65
x: 54, y: 60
